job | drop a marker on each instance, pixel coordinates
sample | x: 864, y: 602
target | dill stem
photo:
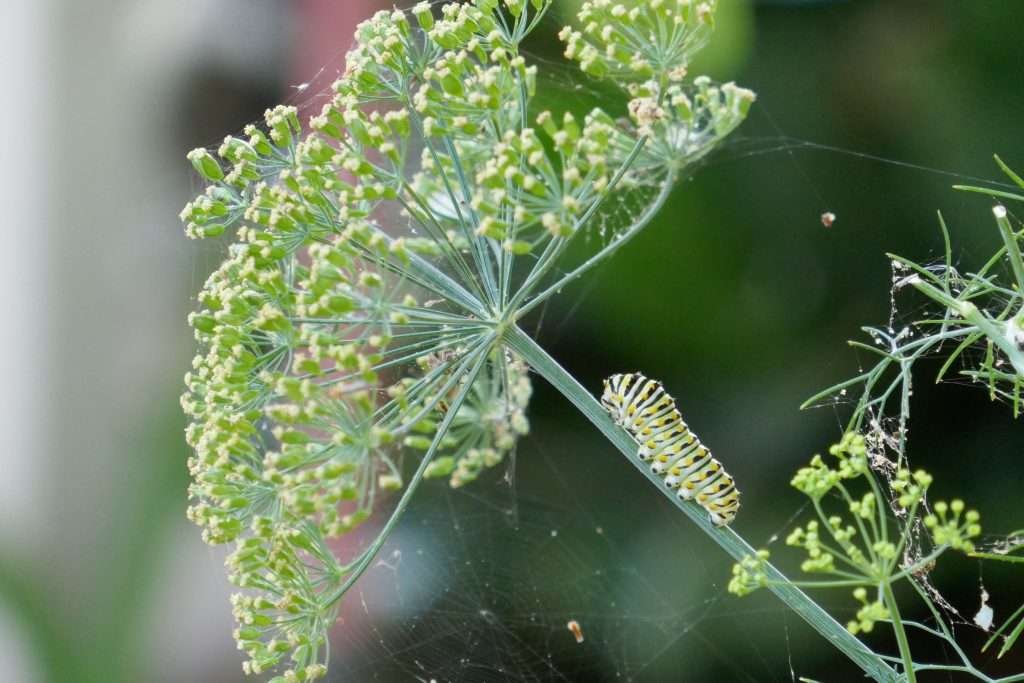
x: 901, y: 634
x: 726, y: 537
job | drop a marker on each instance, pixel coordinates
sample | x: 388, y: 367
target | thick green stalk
x: 728, y: 539
x: 901, y: 634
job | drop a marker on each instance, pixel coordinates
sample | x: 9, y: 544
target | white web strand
x: 470, y: 593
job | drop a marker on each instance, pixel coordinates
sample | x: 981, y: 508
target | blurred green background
x: 737, y: 297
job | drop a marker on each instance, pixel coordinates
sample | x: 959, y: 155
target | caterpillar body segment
x: 643, y: 408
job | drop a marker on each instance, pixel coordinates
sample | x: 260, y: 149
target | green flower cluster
x: 868, y: 614
x: 863, y: 544
x: 357, y: 318
x: 910, y: 488
x: 488, y: 425
x: 818, y: 479
x: 684, y: 123
x: 955, y: 530
x: 749, y: 574
x: 639, y: 41
x: 552, y: 194
x: 818, y: 559
x: 283, y: 618
x: 646, y: 48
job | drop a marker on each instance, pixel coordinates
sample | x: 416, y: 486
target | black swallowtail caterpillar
x: 643, y: 408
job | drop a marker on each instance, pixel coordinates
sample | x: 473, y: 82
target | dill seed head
x: 378, y: 253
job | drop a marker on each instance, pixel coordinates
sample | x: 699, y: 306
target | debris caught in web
x: 983, y: 619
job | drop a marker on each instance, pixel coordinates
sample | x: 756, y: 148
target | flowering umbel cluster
x: 378, y: 255
x: 639, y: 41
x: 865, y: 543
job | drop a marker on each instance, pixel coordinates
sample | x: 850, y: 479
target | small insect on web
x: 643, y: 408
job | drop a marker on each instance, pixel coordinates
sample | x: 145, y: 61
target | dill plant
x: 379, y: 258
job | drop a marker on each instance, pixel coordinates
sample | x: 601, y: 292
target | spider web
x: 887, y: 430
x: 482, y: 584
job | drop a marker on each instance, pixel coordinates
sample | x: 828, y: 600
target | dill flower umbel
x: 378, y: 257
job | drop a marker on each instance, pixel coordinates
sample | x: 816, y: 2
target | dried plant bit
x: 642, y: 407
x: 575, y: 630
x: 985, y: 614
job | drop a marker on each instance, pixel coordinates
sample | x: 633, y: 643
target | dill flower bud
x: 910, y: 488
x: 868, y: 615
x: 955, y: 530
x: 815, y: 480
x: 607, y: 47
x: 205, y: 164
x: 749, y: 574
